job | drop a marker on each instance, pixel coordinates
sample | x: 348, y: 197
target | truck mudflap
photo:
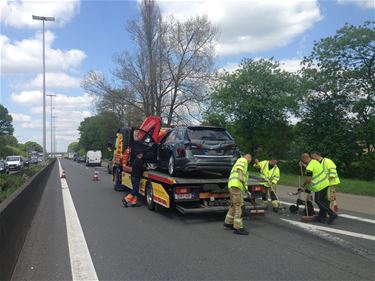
x: 198, y: 209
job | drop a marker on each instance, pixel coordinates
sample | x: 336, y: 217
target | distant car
x: 26, y: 161
x: 4, y: 168
x: 94, y: 158
x: 109, y: 165
x: 40, y: 159
x: 197, y: 148
x: 81, y: 159
x: 14, y: 162
x: 33, y: 160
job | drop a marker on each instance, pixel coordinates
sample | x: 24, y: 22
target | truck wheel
x: 117, y: 182
x: 149, y: 198
x: 172, y: 166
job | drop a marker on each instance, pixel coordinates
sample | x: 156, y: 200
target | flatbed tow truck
x: 192, y: 193
x: 197, y: 193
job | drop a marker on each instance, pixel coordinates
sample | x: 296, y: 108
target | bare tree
x: 167, y: 73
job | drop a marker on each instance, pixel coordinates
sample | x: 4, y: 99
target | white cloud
x: 291, y: 65
x: 250, y: 26
x: 360, y: 3
x: 229, y: 67
x: 25, y: 56
x: 33, y: 99
x: 19, y: 117
x: 53, y: 80
x: 18, y: 13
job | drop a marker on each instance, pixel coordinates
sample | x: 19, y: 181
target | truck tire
x: 149, y: 198
x: 117, y: 181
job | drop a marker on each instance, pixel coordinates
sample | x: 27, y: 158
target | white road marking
x: 341, y: 215
x: 311, y: 227
x: 334, y: 239
x: 80, y: 259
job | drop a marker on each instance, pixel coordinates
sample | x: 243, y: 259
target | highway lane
x: 138, y: 244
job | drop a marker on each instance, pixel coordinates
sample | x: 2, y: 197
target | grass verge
x: 351, y: 186
x: 10, y: 183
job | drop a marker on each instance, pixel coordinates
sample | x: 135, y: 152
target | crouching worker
x: 270, y: 174
x: 237, y: 184
x: 136, y: 176
x: 317, y: 181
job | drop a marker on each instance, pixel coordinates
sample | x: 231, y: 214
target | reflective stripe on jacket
x: 319, y: 179
x: 272, y: 175
x: 329, y: 168
x: 234, y: 178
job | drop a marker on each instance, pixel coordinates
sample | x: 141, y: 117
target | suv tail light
x: 182, y: 190
x: 181, y: 151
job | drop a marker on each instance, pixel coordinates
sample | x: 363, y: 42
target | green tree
x: 6, y: 127
x: 73, y: 147
x: 338, y: 116
x: 254, y: 102
x: 32, y: 146
x: 96, y: 130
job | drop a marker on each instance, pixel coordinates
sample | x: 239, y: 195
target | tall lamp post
x: 54, y: 134
x: 51, y: 96
x: 44, y: 19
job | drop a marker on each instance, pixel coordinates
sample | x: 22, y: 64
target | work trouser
x: 321, y: 200
x: 274, y: 200
x: 234, y: 215
x: 331, y: 195
x: 135, y: 184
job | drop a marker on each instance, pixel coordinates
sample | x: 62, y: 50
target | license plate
x: 183, y: 196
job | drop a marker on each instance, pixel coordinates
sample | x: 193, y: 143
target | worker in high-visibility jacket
x: 317, y: 181
x: 237, y: 184
x: 270, y: 173
x: 329, y: 168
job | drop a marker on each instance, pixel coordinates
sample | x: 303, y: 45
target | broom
x: 306, y: 218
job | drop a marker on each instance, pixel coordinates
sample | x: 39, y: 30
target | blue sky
x: 87, y: 34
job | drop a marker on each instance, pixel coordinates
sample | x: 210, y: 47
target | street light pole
x: 51, y: 96
x: 54, y: 133
x: 43, y: 19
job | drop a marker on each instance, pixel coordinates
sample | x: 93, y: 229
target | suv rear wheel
x: 172, y: 166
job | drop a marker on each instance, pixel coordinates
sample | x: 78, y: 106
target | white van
x: 94, y: 158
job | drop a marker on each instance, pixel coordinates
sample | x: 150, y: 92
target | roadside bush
x: 10, y: 183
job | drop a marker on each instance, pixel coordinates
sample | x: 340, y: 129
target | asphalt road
x: 138, y: 244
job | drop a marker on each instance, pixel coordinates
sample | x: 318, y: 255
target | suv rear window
x: 208, y: 134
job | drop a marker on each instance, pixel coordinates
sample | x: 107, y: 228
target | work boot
x: 228, y: 225
x: 128, y: 198
x: 133, y: 201
x: 332, y: 218
x: 124, y: 203
x: 319, y: 219
x: 241, y: 231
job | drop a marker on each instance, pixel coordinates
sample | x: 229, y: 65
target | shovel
x: 306, y: 218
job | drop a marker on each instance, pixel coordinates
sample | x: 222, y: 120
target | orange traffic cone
x: 95, y: 176
x: 63, y: 174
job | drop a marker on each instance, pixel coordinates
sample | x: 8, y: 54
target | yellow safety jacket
x: 329, y: 168
x: 269, y: 175
x: 234, y: 178
x: 319, y: 179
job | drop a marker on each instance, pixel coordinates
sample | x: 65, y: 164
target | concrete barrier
x: 16, y: 215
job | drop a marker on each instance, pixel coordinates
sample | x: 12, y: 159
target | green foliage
x: 95, y: 131
x: 6, y: 127
x: 338, y: 113
x: 254, y: 103
x: 10, y: 183
x: 32, y: 146
x: 73, y: 147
